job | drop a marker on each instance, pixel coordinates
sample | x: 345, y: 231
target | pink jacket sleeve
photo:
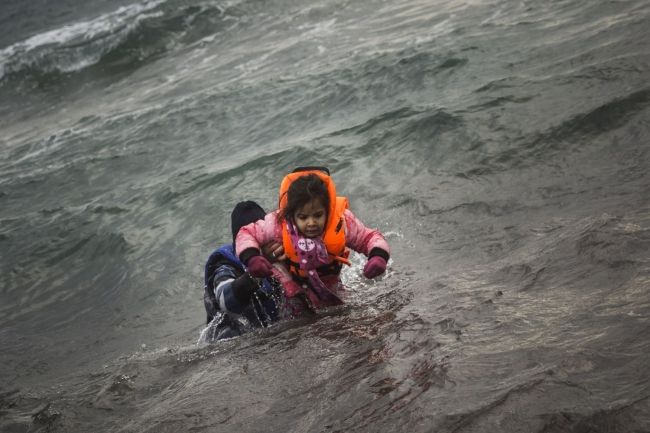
x: 256, y: 234
x: 360, y: 238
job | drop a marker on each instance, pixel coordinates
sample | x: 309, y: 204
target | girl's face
x: 310, y: 219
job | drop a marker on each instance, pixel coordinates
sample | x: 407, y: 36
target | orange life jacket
x: 334, y: 233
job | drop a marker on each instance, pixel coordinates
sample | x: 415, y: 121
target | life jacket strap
x: 333, y: 268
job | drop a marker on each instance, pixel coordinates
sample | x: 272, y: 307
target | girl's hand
x: 273, y: 251
x: 374, y: 267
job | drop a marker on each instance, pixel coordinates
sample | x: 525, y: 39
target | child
x: 316, y: 228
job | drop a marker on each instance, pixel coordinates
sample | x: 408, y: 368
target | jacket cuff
x: 379, y: 252
x: 247, y: 254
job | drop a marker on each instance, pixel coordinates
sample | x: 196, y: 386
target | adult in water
x: 234, y: 300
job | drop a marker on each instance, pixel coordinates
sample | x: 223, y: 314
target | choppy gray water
x: 502, y: 146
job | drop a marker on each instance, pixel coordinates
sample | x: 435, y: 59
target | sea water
x: 501, y: 146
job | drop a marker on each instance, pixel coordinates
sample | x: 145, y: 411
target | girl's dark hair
x: 302, y: 191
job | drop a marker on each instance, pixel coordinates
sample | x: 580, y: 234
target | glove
x: 243, y: 288
x: 259, y: 267
x: 375, y: 266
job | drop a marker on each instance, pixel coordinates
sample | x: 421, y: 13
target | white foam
x: 120, y: 21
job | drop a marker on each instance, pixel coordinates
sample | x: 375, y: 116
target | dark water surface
x: 501, y: 146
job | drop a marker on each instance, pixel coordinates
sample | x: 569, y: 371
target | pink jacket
x: 358, y: 237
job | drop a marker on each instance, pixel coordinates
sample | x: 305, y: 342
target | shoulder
x: 226, y: 270
x: 270, y: 226
x: 269, y: 222
x: 224, y: 253
x: 272, y: 218
x: 222, y: 261
x: 350, y: 219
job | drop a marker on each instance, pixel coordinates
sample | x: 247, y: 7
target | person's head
x: 307, y: 204
x: 244, y: 213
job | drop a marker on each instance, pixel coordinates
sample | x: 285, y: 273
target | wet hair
x: 302, y: 191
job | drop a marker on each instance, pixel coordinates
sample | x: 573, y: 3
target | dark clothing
x: 234, y: 301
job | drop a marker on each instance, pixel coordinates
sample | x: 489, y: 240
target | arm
x: 232, y: 289
x: 364, y: 240
x: 209, y: 300
x: 252, y: 236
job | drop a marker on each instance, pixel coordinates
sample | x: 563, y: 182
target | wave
x: 577, y: 130
x: 118, y: 41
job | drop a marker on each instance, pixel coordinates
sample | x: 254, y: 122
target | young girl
x: 316, y: 228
